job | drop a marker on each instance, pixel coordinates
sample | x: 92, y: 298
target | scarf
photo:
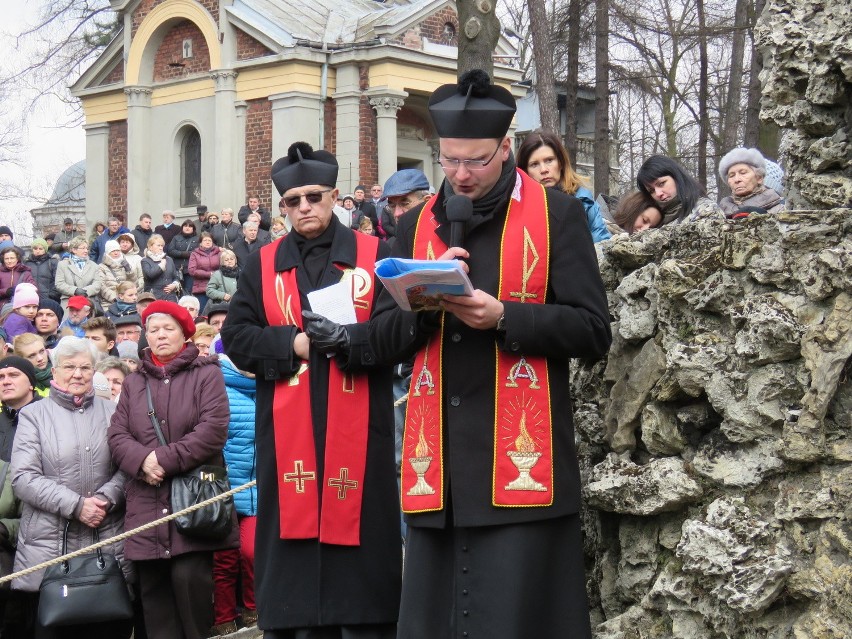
x: 125, y: 308
x: 79, y: 262
x: 68, y: 401
x: 156, y: 256
x: 498, y: 195
x: 315, y: 253
x: 231, y: 271
x: 671, y: 210
x: 44, y: 376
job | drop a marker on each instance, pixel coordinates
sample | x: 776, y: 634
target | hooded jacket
x: 240, y: 453
x: 43, y: 269
x: 112, y: 272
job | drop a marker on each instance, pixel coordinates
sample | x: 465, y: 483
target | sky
x: 50, y: 145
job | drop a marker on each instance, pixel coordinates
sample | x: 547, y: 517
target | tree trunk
x: 601, y: 97
x: 543, y: 57
x: 703, y: 115
x: 572, y: 80
x: 731, y: 114
x: 765, y: 136
x: 480, y: 31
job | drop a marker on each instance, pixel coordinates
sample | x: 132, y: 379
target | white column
x: 239, y: 153
x: 226, y: 190
x: 295, y: 118
x: 386, y: 102
x: 97, y: 172
x: 347, y: 99
x: 138, y: 149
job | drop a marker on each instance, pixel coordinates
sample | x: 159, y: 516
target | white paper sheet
x: 334, y: 302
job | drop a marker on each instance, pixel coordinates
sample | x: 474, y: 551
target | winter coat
x: 15, y: 325
x: 593, y: 214
x: 8, y: 425
x: 219, y: 285
x: 60, y: 456
x: 202, y: 264
x: 766, y: 199
x: 190, y: 401
x: 62, y: 238
x: 10, y: 507
x: 133, y: 256
x: 226, y: 236
x: 156, y: 278
x: 180, y: 248
x: 9, y: 279
x: 69, y: 278
x: 167, y: 232
x: 265, y: 219
x: 242, y: 248
x: 98, y: 248
x: 141, y: 236
x: 112, y: 272
x: 43, y: 269
x: 239, y: 449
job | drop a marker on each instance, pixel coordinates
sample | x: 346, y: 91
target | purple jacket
x: 191, y: 403
x: 17, y: 325
x: 202, y: 263
x: 9, y: 279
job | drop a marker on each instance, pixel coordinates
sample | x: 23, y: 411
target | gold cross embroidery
x: 299, y: 476
x: 529, y: 268
x: 342, y: 483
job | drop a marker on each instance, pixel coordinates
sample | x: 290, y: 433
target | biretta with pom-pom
x: 474, y: 108
x: 303, y: 166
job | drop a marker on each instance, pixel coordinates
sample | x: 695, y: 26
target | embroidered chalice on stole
x: 420, y: 463
x: 524, y: 457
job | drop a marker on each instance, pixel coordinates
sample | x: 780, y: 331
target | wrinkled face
x: 250, y: 233
x: 203, y: 344
x: 128, y: 332
x: 376, y: 191
x: 78, y: 315
x: 75, y: 374
x: 308, y: 218
x: 36, y: 353
x: 207, y: 242
x: 253, y: 217
x: 132, y: 364
x: 227, y: 217
x: 477, y: 181
x: 192, y: 310
x: 662, y: 189
x: 544, y: 166
x: 100, y: 340
x: 165, y: 336
x: 230, y: 261
x: 399, y: 204
x: 743, y: 179
x: 116, y: 254
x: 14, y: 385
x: 38, y: 250
x: 168, y: 219
x: 253, y: 203
x: 116, y: 379
x: 648, y: 219
x: 113, y: 227
x: 46, y: 321
x: 125, y: 244
x: 145, y: 223
x: 217, y: 321
x: 29, y: 311
x: 10, y: 259
x: 212, y: 219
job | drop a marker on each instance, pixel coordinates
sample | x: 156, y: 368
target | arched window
x: 190, y: 168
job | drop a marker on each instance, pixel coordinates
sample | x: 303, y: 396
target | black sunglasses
x: 313, y: 197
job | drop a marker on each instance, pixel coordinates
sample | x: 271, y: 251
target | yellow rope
x: 129, y: 533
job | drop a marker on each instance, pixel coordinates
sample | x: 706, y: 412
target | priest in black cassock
x: 328, y: 556
x: 490, y: 481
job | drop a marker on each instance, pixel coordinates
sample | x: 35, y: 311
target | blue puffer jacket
x: 593, y: 213
x: 239, y: 449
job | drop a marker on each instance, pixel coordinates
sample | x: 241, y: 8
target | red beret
x: 178, y: 312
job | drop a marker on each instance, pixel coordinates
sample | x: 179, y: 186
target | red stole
x: 348, y: 415
x: 522, y: 472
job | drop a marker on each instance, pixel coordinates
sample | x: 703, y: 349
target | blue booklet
x: 418, y: 285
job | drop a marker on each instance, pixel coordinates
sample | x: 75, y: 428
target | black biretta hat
x: 304, y: 166
x: 474, y: 108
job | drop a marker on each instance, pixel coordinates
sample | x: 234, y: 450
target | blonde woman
x: 223, y: 283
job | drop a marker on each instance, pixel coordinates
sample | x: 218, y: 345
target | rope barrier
x: 128, y: 533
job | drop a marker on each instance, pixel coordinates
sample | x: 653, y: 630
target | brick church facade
x: 194, y: 99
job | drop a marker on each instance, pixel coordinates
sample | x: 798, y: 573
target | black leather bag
x: 85, y: 589
x: 214, y: 521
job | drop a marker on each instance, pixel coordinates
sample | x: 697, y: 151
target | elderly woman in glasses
x: 190, y: 403
x: 62, y: 471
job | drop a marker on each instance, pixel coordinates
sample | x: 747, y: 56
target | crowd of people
x: 206, y: 326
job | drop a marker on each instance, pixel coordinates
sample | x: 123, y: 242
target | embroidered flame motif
x: 524, y: 443
x: 422, y: 448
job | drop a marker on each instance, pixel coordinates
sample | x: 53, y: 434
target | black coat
x: 226, y: 236
x: 574, y: 322
x: 243, y: 249
x: 303, y: 582
x: 142, y: 236
x: 156, y: 278
x: 43, y: 269
x: 265, y: 219
x: 179, y: 249
x: 166, y: 233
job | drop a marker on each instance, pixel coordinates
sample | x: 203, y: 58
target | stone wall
x: 716, y: 440
x: 807, y: 90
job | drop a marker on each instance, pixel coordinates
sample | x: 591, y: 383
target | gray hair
x: 112, y: 218
x: 76, y: 241
x: 250, y: 225
x: 109, y: 363
x: 190, y: 300
x: 71, y: 346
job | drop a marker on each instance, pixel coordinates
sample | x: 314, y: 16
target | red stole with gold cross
x: 523, y: 443
x: 348, y: 416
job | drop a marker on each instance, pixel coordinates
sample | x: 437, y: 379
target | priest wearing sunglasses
x: 490, y: 481
x: 328, y: 556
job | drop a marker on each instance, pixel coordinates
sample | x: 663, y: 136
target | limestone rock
x: 638, y: 308
x: 660, y: 432
x: 823, y: 495
x: 623, y: 487
x: 738, y: 465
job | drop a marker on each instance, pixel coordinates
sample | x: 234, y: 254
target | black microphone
x: 459, y: 210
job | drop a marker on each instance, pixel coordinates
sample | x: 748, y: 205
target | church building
x: 193, y: 100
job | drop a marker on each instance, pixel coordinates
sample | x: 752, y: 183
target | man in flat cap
x: 327, y: 543
x: 490, y: 481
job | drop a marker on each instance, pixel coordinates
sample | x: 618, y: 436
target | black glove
x: 325, y: 335
x: 80, y: 291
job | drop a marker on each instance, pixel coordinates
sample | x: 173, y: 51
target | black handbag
x: 85, y: 589
x: 214, y: 521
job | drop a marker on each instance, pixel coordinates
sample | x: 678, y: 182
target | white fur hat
x: 741, y: 155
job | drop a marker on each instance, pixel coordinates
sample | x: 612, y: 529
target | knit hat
x: 473, y: 109
x: 49, y: 304
x: 774, y: 177
x: 23, y: 365
x: 110, y: 246
x: 179, y: 313
x: 25, y: 295
x: 5, y: 230
x: 40, y: 242
x: 128, y: 349
x: 101, y: 385
x: 360, y: 187
x: 740, y: 155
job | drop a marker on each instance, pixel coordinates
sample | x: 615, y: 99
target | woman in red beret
x: 191, y: 405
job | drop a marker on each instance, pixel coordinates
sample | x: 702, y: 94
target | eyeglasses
x: 449, y: 164
x: 314, y: 197
x: 70, y: 369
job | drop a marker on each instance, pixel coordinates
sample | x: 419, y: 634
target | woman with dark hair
x: 637, y: 212
x: 680, y: 196
x: 545, y: 160
x: 181, y: 247
x: 13, y: 271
